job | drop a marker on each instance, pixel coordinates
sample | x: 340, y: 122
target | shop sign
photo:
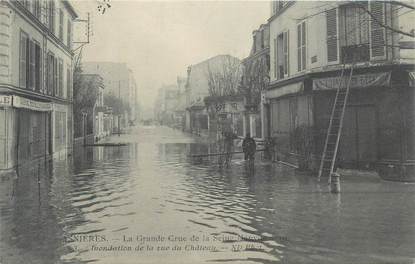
x: 20, y: 102
x: 5, y: 100
x: 285, y: 90
x: 357, y: 81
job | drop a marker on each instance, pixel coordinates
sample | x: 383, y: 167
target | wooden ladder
x: 331, y: 145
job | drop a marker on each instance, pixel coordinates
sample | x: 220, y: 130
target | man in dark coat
x: 249, y: 147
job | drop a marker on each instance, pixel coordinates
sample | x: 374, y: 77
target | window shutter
x: 38, y: 68
x: 275, y: 58
x: 377, y: 32
x: 55, y: 77
x: 303, y: 46
x: 32, y: 78
x: 23, y: 60
x: 286, y: 44
x: 332, y: 38
x: 299, y: 47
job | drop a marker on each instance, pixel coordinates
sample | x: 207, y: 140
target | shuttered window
x: 50, y: 74
x: 23, y: 59
x: 332, y: 35
x: 68, y: 81
x: 301, y: 46
x: 32, y: 77
x: 275, y: 58
x: 286, y: 52
x: 60, y: 78
x: 55, y: 77
x: 38, y: 67
x: 69, y: 34
x: 51, y: 12
x: 61, y: 24
x: 377, y: 32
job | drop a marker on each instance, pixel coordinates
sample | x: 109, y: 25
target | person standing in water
x: 249, y: 147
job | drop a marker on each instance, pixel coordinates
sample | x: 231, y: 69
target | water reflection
x: 150, y: 188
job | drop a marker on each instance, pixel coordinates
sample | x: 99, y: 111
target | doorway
x: 358, y: 140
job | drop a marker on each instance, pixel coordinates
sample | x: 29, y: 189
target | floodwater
x: 148, y: 202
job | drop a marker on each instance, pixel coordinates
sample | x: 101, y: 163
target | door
x: 358, y: 139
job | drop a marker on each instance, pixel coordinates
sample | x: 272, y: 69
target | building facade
x: 197, y: 88
x: 35, y: 80
x: 309, y: 44
x: 255, y: 81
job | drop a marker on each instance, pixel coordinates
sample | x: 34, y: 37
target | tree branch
x: 412, y: 35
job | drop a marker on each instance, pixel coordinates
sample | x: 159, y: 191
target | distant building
x: 166, y: 104
x: 119, y: 81
x: 35, y: 80
x: 197, y: 88
x: 309, y: 43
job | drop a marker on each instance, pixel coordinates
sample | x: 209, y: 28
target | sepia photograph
x: 207, y: 132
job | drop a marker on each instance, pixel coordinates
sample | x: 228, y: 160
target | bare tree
x: 223, y: 79
x: 255, y: 79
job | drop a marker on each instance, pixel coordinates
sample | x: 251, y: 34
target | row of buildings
x: 290, y: 78
x: 35, y: 79
x: 117, y: 105
x: 36, y: 82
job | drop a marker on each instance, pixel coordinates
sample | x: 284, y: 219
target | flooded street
x: 150, y: 194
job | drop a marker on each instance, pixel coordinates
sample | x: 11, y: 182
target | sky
x: 159, y: 40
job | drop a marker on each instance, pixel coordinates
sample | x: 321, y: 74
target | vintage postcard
x: 173, y: 132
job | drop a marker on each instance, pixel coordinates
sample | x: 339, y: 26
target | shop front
x: 25, y: 130
x: 378, y: 122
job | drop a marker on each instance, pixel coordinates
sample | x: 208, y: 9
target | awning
x: 285, y: 90
x: 358, y: 81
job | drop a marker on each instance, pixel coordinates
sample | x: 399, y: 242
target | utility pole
x: 119, y: 114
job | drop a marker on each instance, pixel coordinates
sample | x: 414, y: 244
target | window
x: 332, y: 38
x: 37, y: 8
x: 23, y: 59
x: 60, y: 78
x: 355, y: 38
x: 69, y: 33
x: 377, y: 32
x: 301, y: 46
x: 31, y: 76
x: 55, y: 77
x: 38, y: 67
x: 61, y: 24
x: 50, y: 68
x: 275, y: 58
x: 69, y: 81
x: 51, y: 15
x: 282, y: 55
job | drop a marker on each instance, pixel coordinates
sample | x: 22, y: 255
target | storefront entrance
x: 33, y: 135
x: 358, y: 139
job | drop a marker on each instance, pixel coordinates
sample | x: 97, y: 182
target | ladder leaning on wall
x: 331, y: 145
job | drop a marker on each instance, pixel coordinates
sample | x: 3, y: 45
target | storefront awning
x: 358, y: 81
x: 285, y: 90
